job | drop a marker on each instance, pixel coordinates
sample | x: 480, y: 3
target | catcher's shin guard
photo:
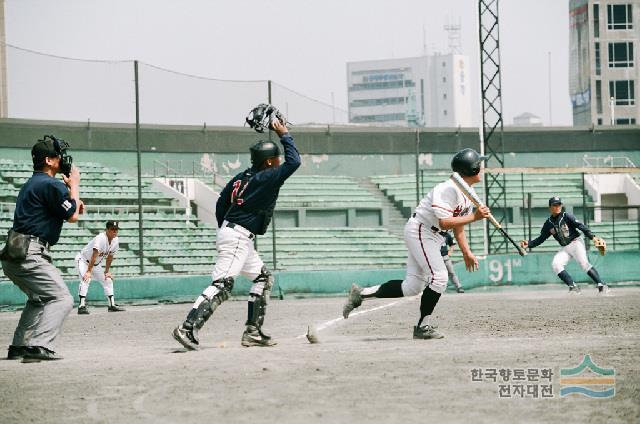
x: 258, y: 298
x: 209, y: 300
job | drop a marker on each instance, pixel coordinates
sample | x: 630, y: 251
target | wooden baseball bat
x: 473, y: 196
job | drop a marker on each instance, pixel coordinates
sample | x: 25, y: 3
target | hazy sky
x: 299, y: 44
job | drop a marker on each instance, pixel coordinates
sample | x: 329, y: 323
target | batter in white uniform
x: 444, y: 208
x: 89, y: 266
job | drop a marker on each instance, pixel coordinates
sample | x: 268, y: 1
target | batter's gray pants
x: 49, y: 301
x: 452, y: 273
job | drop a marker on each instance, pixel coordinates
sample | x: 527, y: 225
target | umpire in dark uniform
x: 43, y: 204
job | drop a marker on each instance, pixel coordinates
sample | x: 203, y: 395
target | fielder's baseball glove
x: 261, y: 117
x: 600, y: 244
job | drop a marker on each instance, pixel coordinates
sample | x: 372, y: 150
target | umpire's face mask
x: 60, y: 147
x: 66, y: 161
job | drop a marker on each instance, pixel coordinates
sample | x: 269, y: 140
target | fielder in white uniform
x: 89, y: 266
x: 444, y: 208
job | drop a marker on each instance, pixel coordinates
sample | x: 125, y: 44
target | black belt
x: 434, y: 229
x: 40, y: 241
x: 232, y: 225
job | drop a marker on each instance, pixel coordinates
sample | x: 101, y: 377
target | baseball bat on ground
x: 473, y: 196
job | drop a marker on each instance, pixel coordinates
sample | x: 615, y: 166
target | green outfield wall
x: 354, y: 165
x: 496, y: 270
x: 326, y: 150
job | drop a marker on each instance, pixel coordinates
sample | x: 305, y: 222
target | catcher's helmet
x: 261, y: 117
x: 467, y: 162
x: 262, y: 151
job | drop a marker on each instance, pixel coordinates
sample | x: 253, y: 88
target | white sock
x: 367, y: 291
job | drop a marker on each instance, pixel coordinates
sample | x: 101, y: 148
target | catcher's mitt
x: 600, y: 244
x: 261, y: 117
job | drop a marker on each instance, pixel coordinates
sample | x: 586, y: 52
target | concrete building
x: 426, y: 91
x: 527, y: 119
x: 604, y: 71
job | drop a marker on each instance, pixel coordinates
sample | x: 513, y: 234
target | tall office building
x: 426, y: 91
x: 604, y: 69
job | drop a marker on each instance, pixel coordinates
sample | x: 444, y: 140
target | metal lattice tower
x: 492, y: 124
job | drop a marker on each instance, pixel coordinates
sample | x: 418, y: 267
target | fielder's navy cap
x: 555, y: 200
x: 113, y: 224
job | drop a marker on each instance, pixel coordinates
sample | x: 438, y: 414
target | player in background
x: 444, y: 208
x: 89, y: 266
x: 445, y: 250
x: 243, y: 211
x: 564, y: 227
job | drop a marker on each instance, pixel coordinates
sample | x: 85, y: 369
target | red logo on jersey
x: 238, y: 190
x: 460, y: 211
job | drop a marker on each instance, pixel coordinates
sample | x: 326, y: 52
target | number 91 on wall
x: 501, y: 270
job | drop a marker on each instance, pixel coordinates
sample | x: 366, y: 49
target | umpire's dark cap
x: 112, y: 224
x: 43, y: 149
x: 555, y: 200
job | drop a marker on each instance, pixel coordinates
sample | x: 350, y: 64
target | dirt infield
x: 126, y: 368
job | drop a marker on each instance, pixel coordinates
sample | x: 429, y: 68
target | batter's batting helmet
x: 467, y: 162
x: 262, y: 151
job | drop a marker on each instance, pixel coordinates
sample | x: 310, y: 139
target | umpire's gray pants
x: 49, y: 301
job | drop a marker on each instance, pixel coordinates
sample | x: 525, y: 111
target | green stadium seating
x: 176, y: 243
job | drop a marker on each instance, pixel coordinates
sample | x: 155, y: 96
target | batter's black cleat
x: 16, y: 352
x: 115, y: 308
x: 252, y: 336
x: 186, y: 338
x: 603, y: 290
x: 574, y: 289
x: 82, y: 310
x: 353, y: 301
x: 426, y: 332
x: 460, y: 290
x: 39, y: 353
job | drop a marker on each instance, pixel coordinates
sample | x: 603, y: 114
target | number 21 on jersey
x: 238, y: 190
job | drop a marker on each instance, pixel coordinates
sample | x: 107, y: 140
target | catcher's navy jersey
x: 563, y: 227
x: 250, y: 197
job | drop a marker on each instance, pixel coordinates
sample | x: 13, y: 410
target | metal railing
x: 608, y: 161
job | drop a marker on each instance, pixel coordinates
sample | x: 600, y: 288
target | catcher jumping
x: 563, y: 227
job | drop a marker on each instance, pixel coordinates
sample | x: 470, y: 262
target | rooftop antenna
x: 424, y: 40
x: 453, y: 35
